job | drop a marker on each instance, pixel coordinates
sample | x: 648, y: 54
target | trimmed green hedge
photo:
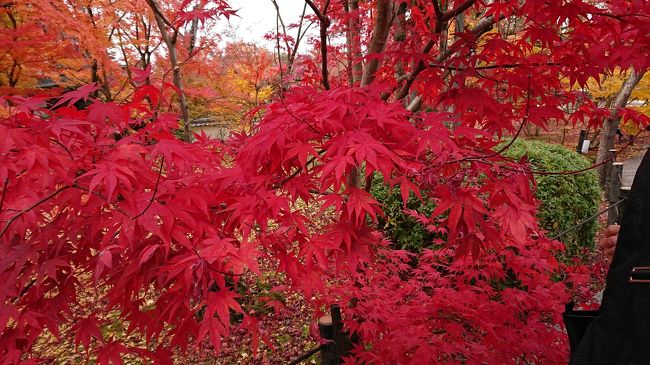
x: 565, y: 200
x: 403, y: 230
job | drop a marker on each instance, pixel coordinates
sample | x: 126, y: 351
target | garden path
x: 629, y: 169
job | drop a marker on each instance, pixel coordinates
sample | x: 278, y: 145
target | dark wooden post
x: 330, y: 327
x: 581, y: 139
x: 614, y: 192
x: 624, y: 194
x: 327, y: 331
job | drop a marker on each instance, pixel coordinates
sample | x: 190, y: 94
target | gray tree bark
x: 611, y: 124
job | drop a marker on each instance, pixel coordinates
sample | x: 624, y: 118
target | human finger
x: 612, y: 230
x: 610, y: 241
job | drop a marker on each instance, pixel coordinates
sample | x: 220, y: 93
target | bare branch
x: 292, y: 54
x: 324, y: 24
x: 159, y: 14
x: 481, y: 27
x: 29, y: 208
x: 439, y: 16
x: 459, y: 10
x: 155, y: 191
x: 4, y: 192
x: 113, y: 206
x: 284, y: 28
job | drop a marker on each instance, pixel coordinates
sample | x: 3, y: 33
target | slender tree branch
x: 277, y: 42
x: 481, y: 27
x: 491, y: 67
x: 294, y: 51
x: 457, y: 11
x: 324, y: 24
x: 521, y: 126
x: 571, y: 172
x: 34, y: 205
x: 317, y: 11
x: 64, y: 148
x: 439, y: 16
x: 24, y: 291
x: 155, y: 190
x: 159, y: 13
x: 4, y: 192
x: 284, y: 28
x: 171, y: 42
x: 113, y: 206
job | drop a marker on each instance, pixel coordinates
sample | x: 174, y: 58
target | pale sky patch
x: 258, y: 17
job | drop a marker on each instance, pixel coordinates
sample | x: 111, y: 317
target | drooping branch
x: 29, y: 208
x: 155, y: 190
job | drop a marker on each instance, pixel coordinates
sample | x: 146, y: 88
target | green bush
x: 565, y: 200
x: 402, y: 229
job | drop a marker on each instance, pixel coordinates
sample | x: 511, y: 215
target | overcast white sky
x: 257, y: 17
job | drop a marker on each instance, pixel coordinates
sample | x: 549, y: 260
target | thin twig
x: 4, y: 193
x: 284, y: 28
x: 572, y: 172
x: 212, y: 268
x: 64, y: 148
x: 587, y: 220
x: 155, y: 190
x: 277, y: 40
x: 292, y: 54
x: 295, y: 173
x: 490, y: 67
x: 113, y: 206
x: 460, y: 9
x: 307, y: 355
x: 514, y: 138
x: 37, y: 203
x: 24, y: 291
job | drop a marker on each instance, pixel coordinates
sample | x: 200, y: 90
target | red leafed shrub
x: 162, y: 227
x: 106, y: 196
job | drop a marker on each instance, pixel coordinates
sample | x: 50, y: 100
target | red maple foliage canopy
x: 106, y: 196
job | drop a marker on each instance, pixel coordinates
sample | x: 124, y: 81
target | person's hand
x: 607, y: 244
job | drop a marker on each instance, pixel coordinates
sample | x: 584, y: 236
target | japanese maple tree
x: 105, y: 195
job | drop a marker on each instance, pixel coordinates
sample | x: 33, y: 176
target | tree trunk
x: 170, y: 42
x: 611, y: 124
x: 378, y: 40
x: 353, y: 41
